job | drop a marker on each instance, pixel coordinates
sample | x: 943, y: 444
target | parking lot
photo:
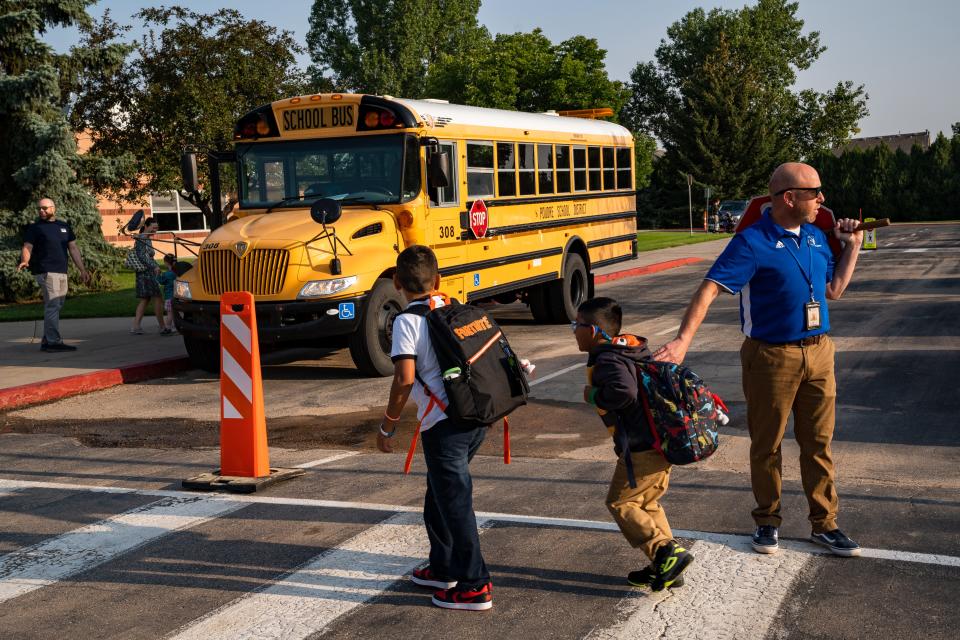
x: 99, y: 540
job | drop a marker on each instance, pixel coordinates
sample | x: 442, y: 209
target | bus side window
x: 579, y: 169
x: 624, y: 170
x: 445, y: 196
x: 480, y: 169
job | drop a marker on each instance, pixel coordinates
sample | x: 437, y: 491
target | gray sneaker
x: 765, y: 539
x: 838, y: 543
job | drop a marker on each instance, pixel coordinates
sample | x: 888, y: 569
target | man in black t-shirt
x: 46, y: 244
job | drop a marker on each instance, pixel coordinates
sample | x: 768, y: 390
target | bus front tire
x: 566, y: 294
x: 203, y: 354
x: 370, y: 343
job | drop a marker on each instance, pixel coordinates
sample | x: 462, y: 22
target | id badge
x: 811, y: 311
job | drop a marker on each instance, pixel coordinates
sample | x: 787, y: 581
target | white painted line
x: 670, y: 330
x: 235, y: 372
x: 47, y: 562
x: 914, y: 250
x: 730, y: 592
x: 238, y: 328
x: 557, y: 436
x: 332, y: 458
x: 553, y: 375
x: 728, y: 539
x: 325, y: 588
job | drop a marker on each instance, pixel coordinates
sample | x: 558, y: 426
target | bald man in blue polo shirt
x: 785, y: 272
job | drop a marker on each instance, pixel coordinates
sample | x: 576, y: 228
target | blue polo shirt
x: 772, y: 269
x: 49, y: 240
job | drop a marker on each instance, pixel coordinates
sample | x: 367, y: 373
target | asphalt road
x: 98, y: 541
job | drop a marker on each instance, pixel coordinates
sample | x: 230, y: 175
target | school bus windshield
x: 362, y: 170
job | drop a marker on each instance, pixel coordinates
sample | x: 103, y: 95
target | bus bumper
x: 301, y: 322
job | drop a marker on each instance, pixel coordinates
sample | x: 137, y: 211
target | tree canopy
x: 38, y: 149
x: 386, y: 47
x: 720, y: 97
x: 527, y: 72
x: 185, y: 85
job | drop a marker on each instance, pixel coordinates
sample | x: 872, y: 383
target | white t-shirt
x: 411, y: 339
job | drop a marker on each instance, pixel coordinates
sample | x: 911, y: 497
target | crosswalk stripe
x: 47, y: 562
x: 719, y: 538
x: 325, y: 588
x: 731, y: 592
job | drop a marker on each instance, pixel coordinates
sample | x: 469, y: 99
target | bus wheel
x: 566, y: 294
x: 539, y: 300
x: 370, y: 344
x: 203, y: 354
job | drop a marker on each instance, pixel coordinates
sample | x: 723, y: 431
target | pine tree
x: 38, y: 149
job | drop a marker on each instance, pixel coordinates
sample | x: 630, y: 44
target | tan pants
x: 778, y: 380
x: 637, y: 511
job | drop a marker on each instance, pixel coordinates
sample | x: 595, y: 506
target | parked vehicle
x: 730, y: 213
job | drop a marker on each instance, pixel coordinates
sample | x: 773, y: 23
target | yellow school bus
x: 517, y: 206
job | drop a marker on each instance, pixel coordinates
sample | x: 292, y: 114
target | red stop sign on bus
x: 478, y: 219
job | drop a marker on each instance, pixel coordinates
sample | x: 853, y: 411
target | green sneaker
x: 671, y: 561
x: 644, y: 577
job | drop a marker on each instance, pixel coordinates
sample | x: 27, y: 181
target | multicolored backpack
x: 683, y: 414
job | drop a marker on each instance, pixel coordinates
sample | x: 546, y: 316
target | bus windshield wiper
x: 292, y: 199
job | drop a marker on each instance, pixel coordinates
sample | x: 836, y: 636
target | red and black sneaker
x: 425, y: 577
x: 476, y: 599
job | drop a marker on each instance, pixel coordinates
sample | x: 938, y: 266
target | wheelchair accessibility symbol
x: 347, y: 311
x: 476, y: 279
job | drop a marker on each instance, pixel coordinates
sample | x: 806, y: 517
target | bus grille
x: 261, y: 271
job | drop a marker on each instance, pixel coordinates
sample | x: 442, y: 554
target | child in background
x: 641, y: 475
x: 166, y: 280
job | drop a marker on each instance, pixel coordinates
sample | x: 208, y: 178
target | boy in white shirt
x: 456, y: 568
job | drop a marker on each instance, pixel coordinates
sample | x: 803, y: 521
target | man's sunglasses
x: 594, y: 329
x: 816, y: 190
x: 44, y: 208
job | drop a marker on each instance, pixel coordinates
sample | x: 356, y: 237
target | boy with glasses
x: 642, y: 474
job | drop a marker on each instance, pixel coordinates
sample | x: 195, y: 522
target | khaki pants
x: 778, y: 380
x: 53, y: 287
x: 637, y: 511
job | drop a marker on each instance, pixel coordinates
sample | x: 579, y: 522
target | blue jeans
x: 448, y: 505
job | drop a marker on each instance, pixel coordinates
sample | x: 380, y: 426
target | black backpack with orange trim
x: 481, y: 373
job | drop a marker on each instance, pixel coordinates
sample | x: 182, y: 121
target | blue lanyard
x: 809, y: 278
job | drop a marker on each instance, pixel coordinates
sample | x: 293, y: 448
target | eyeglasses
x: 594, y: 329
x: 45, y: 207
x: 816, y: 190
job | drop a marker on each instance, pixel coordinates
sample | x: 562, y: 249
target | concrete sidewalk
x: 107, y: 354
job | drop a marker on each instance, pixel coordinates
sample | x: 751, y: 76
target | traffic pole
x: 244, y: 455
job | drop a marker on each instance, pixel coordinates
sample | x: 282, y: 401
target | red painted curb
x: 47, y: 390
x: 650, y: 268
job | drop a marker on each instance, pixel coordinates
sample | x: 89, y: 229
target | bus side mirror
x: 325, y: 211
x: 439, y: 169
x: 188, y: 171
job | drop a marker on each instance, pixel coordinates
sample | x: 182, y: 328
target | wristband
x: 389, y: 417
x: 386, y: 434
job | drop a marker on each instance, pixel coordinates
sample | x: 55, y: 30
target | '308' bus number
x: 447, y: 231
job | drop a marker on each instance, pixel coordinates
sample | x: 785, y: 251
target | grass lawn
x: 650, y: 240
x: 120, y: 302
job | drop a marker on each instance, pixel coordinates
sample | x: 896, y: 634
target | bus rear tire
x: 566, y: 294
x: 370, y: 343
x: 203, y: 354
x: 539, y: 300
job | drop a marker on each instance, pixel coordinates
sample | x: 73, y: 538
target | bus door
x: 443, y: 224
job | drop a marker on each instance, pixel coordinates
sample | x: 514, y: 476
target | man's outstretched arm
x: 676, y: 349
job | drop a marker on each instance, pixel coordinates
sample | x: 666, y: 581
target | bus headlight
x: 181, y: 289
x: 321, y: 288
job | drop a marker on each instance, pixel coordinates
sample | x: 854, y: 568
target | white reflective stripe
x: 325, y: 588
x: 230, y: 411
x: 238, y: 328
x: 730, y: 592
x: 237, y: 375
x: 47, y: 562
x: 745, y: 305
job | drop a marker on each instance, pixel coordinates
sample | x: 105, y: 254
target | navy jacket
x: 612, y: 371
